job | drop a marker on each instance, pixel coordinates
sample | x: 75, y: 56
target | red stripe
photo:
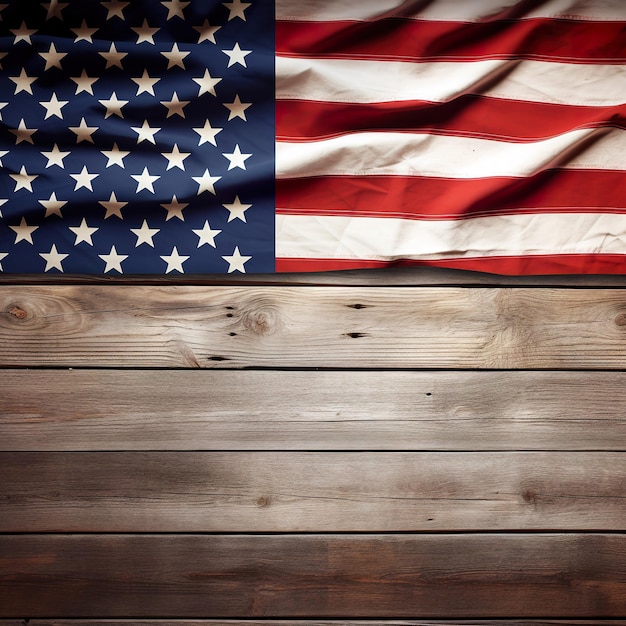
x: 401, y: 39
x: 469, y: 116
x: 511, y: 266
x: 567, y: 191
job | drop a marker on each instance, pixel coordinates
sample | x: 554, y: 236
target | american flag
x: 198, y: 136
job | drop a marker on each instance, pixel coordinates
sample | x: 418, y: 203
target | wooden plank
x: 300, y: 622
x: 389, y: 277
x: 335, y: 327
x: 385, y: 576
x: 283, y: 410
x: 311, y: 492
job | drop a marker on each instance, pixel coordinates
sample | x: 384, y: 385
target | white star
x: 54, y: 106
x: 52, y: 205
x: 113, y: 57
x: 113, y: 106
x: 237, y: 55
x: 3, y: 153
x: 206, y: 235
x: 22, y: 133
x: 115, y: 8
x: 2, y: 105
x: 175, y: 209
x: 23, y: 82
x: 84, y: 83
x: 55, y: 157
x: 145, y: 234
x: 115, y: 156
x: 207, y: 133
x: 3, y: 255
x: 113, y: 206
x: 175, y: 106
x: 206, y: 182
x: 4, y: 200
x: 2, y: 54
x: 83, y: 232
x: 237, y: 9
x: 237, y: 108
x: 175, y: 158
x: 206, y: 32
x: 207, y: 83
x: 236, y: 158
x: 23, y: 34
x: 84, y: 33
x: 237, y: 210
x: 175, y: 57
x: 236, y: 261
x: 175, y: 8
x: 83, y: 179
x: 54, y: 8
x: 113, y: 260
x: 52, y: 57
x: 53, y: 259
x: 145, y: 132
x: 174, y: 261
x: 145, y: 180
x: 24, y: 180
x: 145, y: 83
x: 145, y: 33
x: 84, y: 132
x: 24, y: 232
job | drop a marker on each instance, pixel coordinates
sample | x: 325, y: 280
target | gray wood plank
x: 335, y: 327
x: 340, y: 576
x: 283, y: 410
x: 311, y: 492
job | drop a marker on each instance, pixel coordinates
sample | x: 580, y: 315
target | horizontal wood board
x: 283, y: 622
x: 297, y: 327
x: 312, y: 492
x: 313, y: 410
x: 385, y: 576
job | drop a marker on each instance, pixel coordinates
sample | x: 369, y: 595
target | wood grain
x: 323, y: 491
x: 336, y: 327
x: 392, y: 576
x: 283, y: 410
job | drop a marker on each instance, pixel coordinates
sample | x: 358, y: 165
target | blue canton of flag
x: 136, y: 137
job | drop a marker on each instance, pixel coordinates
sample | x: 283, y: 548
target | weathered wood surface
x: 311, y: 492
x: 335, y: 327
x: 292, y: 410
x: 393, y: 576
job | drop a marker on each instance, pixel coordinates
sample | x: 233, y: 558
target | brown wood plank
x: 392, y: 576
x: 311, y: 492
x: 341, y: 410
x: 390, y: 276
x: 306, y: 622
x: 343, y: 327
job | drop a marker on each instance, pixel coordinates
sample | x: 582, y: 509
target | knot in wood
x: 17, y: 312
x: 620, y: 320
x: 261, y: 319
x: 263, y: 502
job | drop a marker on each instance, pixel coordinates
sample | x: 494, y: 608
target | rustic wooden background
x: 407, y: 446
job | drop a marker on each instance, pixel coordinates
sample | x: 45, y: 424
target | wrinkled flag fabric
x: 165, y: 137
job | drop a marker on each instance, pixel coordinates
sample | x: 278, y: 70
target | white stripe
x: 302, y: 236
x: 412, y: 154
x: 446, y: 10
x: 338, y: 80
